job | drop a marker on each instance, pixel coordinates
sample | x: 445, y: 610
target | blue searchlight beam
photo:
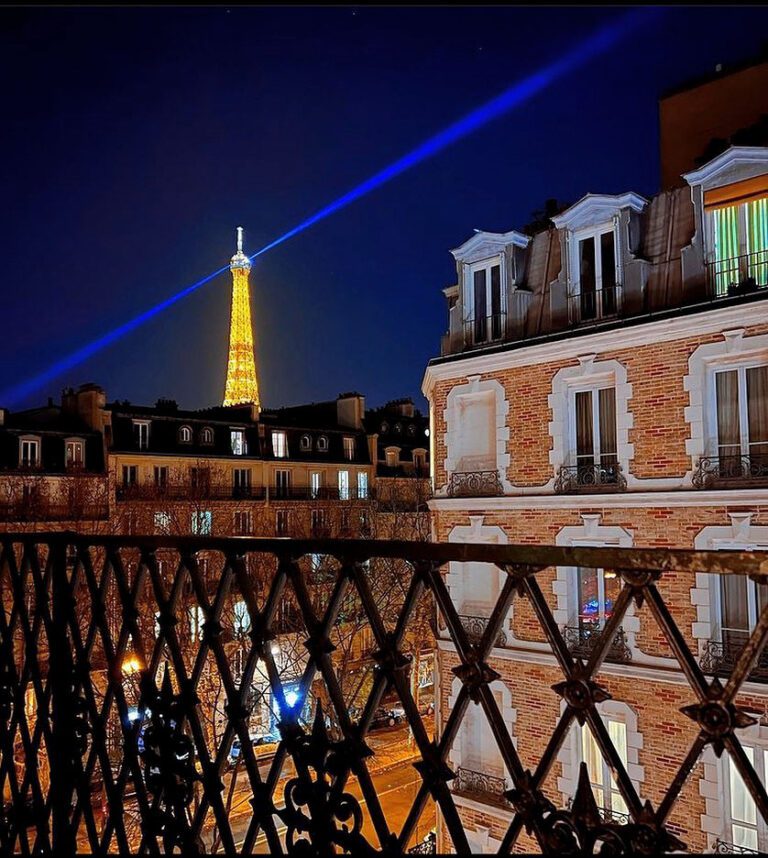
x: 599, y: 42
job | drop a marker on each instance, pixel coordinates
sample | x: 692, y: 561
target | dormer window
x: 237, y: 441
x: 279, y: 445
x: 141, y: 433
x: 185, y: 435
x: 392, y: 456
x: 486, y: 301
x: 593, y: 288
x: 322, y: 444
x: 206, y: 436
x: 74, y: 453
x: 305, y: 443
x: 29, y: 452
x: 349, y: 448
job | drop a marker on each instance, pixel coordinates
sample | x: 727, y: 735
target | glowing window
x: 29, y: 452
x: 279, y: 445
x: 322, y: 444
x: 141, y: 433
x: 185, y: 435
x: 206, y: 436
x: 362, y: 485
x: 202, y: 522
x: 349, y: 448
x: 242, y: 623
x: 237, y: 440
x: 343, y: 485
x: 74, y: 453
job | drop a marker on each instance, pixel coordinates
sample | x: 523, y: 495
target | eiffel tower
x: 242, y: 386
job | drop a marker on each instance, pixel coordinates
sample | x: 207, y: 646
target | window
x: 486, y: 301
x: 200, y: 480
x: 322, y: 444
x: 315, y: 482
x: 202, y: 522
x: 196, y: 622
x: 282, y: 483
x: 745, y: 826
x: 305, y: 445
x: 597, y: 591
x: 362, y: 485
x: 185, y: 435
x: 392, y: 456
x: 738, y: 239
x: 242, y: 619
x: 241, y: 482
x: 162, y: 523
x: 593, y: 435
x: 741, y: 420
x: 161, y: 477
x: 279, y: 445
x: 476, y: 441
x: 282, y: 522
x: 604, y: 786
x: 398, y: 428
x: 411, y: 429
x: 741, y: 601
x: 343, y: 485
x: 243, y: 523
x: 318, y: 521
x: 74, y: 453
x: 130, y: 475
x: 420, y: 461
x: 365, y: 523
x: 593, y: 293
x: 206, y: 436
x: 237, y: 442
x: 349, y: 448
x: 141, y: 434
x: 29, y: 452
x: 384, y: 428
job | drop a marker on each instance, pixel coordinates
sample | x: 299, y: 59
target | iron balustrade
x: 37, y: 510
x: 724, y: 471
x: 475, y: 484
x: 719, y: 657
x: 581, y: 640
x: 475, y: 628
x: 485, y: 329
x: 590, y: 477
x: 488, y: 788
x: 738, y: 275
x: 721, y: 847
x: 73, y: 601
x: 593, y: 305
x: 607, y: 814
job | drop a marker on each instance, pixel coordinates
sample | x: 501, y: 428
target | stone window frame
x: 38, y: 441
x: 569, y: 755
x: 592, y: 534
x: 508, y: 713
x: 714, y: 821
x: 473, y: 385
x: 739, y: 535
x: 734, y: 349
x: 475, y: 532
x: 590, y: 373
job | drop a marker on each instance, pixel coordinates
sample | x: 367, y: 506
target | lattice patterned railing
x: 109, y: 645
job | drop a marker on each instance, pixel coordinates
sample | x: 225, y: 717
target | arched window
x: 384, y: 428
x: 398, y: 428
x: 185, y: 435
x: 305, y: 444
x: 322, y: 444
x: 206, y: 436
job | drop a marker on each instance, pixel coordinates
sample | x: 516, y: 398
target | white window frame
x: 185, y: 435
x: 31, y: 442
x: 130, y: 475
x: 160, y: 476
x: 75, y: 461
x: 315, y: 483
x: 484, y: 265
x: 241, y: 479
x: 238, y: 444
x: 710, y: 414
x: 593, y: 388
x: 760, y: 764
x: 283, y: 482
x: 283, y: 515
x: 196, y: 617
x: 242, y: 619
x: 141, y: 430
x: 575, y: 237
x: 242, y: 522
x: 322, y: 444
x: 362, y: 485
x: 206, y: 436
x: 343, y: 479
x: 607, y: 787
x: 305, y: 443
x: 349, y: 448
x: 280, y: 444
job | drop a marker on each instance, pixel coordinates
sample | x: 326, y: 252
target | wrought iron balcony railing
x: 38, y: 510
x: 593, y: 305
x: 475, y: 628
x: 488, y: 788
x: 107, y: 712
x: 582, y: 640
x: 719, y: 657
x: 585, y: 478
x: 723, y: 471
x: 739, y: 275
x: 475, y: 484
x: 721, y: 847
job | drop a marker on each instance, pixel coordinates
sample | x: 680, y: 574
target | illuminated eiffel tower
x: 242, y: 386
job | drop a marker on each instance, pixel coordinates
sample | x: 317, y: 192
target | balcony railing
x: 583, y: 640
x: 488, y: 788
x: 163, y: 786
x: 36, y: 510
x: 739, y: 275
x: 719, y: 657
x: 475, y: 484
x: 721, y: 847
x: 592, y: 306
x: 586, y: 478
x: 188, y: 492
x: 724, y: 471
x: 475, y: 628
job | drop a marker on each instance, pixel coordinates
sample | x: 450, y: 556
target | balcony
x: 730, y: 472
x: 475, y: 628
x: 486, y: 788
x: 740, y: 275
x: 721, y: 847
x: 593, y: 306
x: 590, y: 478
x: 476, y: 333
x: 475, y: 484
x: 720, y: 656
x: 37, y: 510
x: 122, y: 759
x: 583, y: 640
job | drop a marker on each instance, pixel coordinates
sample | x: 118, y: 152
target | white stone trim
x: 569, y: 754
x: 596, y: 209
x: 707, y: 321
x: 733, y: 165
x: 483, y: 245
x: 452, y: 423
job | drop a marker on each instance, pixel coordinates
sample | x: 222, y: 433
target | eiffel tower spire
x: 241, y: 386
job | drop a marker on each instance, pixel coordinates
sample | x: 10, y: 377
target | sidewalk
x: 393, y: 748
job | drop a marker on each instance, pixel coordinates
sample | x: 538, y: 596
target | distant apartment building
x: 604, y: 382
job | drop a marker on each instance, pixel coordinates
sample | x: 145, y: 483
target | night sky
x: 135, y: 140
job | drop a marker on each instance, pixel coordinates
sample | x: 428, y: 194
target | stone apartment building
x: 604, y: 382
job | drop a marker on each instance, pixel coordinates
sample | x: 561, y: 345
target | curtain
x: 617, y: 730
x: 757, y: 240
x: 728, y: 427
x: 726, y: 230
x: 742, y: 805
x: 757, y: 412
x: 733, y: 595
x: 585, y: 441
x: 607, y: 408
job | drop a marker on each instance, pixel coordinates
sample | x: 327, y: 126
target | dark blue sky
x: 134, y: 141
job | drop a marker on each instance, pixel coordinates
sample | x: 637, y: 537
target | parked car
x: 387, y: 717
x: 257, y: 739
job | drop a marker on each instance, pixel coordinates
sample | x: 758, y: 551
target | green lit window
x: 740, y: 245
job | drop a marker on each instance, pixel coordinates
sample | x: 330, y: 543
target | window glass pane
x: 612, y: 586
x: 608, y: 272
x: 733, y: 595
x: 344, y: 485
x: 585, y: 443
x: 496, y: 326
x: 589, y: 602
x: 757, y: 240
x: 757, y: 410
x: 587, y: 282
x: 590, y: 754
x: 725, y: 227
x: 742, y: 806
x: 728, y: 425
x: 481, y: 307
x: 607, y: 406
